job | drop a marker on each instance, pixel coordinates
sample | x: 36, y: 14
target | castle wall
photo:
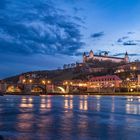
x: 117, y: 60
x: 91, y: 56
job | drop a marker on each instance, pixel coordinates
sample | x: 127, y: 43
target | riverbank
x: 101, y: 94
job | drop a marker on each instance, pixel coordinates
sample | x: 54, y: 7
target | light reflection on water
x: 69, y: 117
x: 133, y: 105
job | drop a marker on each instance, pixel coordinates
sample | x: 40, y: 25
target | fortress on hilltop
x: 91, y: 57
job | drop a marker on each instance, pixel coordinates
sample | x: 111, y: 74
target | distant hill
x: 82, y: 72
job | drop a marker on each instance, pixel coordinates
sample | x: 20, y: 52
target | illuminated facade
x: 105, y: 57
x: 106, y: 81
x: 133, y: 66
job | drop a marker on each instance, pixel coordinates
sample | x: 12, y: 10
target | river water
x: 69, y: 117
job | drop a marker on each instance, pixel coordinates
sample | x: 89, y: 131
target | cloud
x: 77, y: 10
x: 130, y: 32
x: 128, y: 41
x: 40, y: 29
x: 100, y: 52
x: 97, y: 35
x: 119, y: 54
x: 130, y: 54
x: 120, y: 40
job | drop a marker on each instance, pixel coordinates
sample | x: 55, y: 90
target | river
x: 69, y: 117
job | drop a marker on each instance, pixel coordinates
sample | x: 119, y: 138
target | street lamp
x: 127, y: 79
x: 30, y: 80
x: 48, y: 81
x: 43, y: 82
x: 24, y: 80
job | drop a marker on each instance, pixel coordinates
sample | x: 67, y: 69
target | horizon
x: 49, y: 34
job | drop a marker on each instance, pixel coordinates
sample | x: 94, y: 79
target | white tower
x: 126, y: 58
x: 91, y: 54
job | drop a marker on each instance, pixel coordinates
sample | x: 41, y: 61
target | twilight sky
x: 45, y: 34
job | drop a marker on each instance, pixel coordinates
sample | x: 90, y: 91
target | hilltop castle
x: 105, y: 57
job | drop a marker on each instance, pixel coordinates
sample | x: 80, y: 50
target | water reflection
x: 68, y: 103
x: 132, y: 108
x: 45, y: 103
x: 133, y: 105
x: 26, y: 102
x: 98, y: 106
x: 70, y: 117
x: 24, y: 122
x: 113, y: 105
x: 83, y: 104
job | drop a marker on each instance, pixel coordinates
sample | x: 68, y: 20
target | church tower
x: 91, y: 54
x: 84, y: 57
x: 126, y: 58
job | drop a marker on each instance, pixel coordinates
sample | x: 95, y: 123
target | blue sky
x: 45, y: 34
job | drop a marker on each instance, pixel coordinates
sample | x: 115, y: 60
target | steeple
x: 126, y: 54
x: 84, y: 54
x: 91, y: 54
x: 126, y: 58
x: 84, y: 57
x: 106, y: 53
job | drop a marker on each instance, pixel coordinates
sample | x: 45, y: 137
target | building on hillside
x: 105, y: 57
x: 106, y: 81
x: 133, y: 66
x: 96, y: 70
x: 139, y: 79
x: 32, y: 79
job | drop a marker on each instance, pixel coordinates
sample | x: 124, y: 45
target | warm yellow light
x: 127, y: 79
x: 43, y: 82
x: 134, y: 68
x: 131, y: 89
x: 71, y: 83
x: 66, y: 82
x: 30, y: 80
x: 23, y: 80
x: 80, y: 84
x: 112, y: 85
x: 49, y: 82
x: 119, y: 71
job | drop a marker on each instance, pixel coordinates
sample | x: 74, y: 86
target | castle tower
x: 84, y: 57
x: 105, y: 53
x: 126, y: 58
x: 91, y: 54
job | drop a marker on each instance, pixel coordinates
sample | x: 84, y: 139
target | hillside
x: 79, y: 72
x: 54, y: 75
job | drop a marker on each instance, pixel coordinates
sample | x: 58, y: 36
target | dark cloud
x: 97, y: 35
x: 130, y: 32
x: 79, y: 19
x: 119, y: 54
x: 40, y: 29
x: 126, y: 41
x: 100, y: 52
x: 129, y: 43
x: 130, y: 54
x: 122, y: 39
x: 77, y: 10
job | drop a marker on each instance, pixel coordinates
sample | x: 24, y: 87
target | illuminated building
x: 104, y: 57
x: 106, y: 81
